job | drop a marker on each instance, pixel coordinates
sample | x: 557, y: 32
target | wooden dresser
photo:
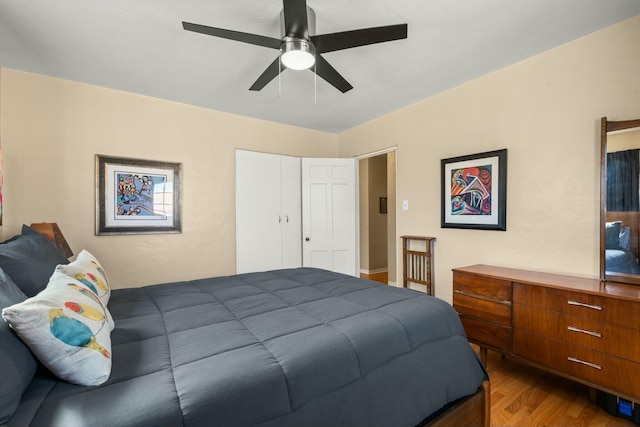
x: 582, y: 329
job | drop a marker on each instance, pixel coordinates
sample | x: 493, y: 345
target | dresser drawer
x: 487, y: 334
x: 496, y: 289
x: 589, y: 365
x: 604, y: 337
x: 483, y: 308
x: 588, y: 306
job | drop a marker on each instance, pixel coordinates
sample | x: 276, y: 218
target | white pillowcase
x: 68, y: 330
x: 86, y: 269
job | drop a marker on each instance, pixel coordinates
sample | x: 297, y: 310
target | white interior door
x: 329, y: 214
x: 291, y: 208
x: 268, y: 212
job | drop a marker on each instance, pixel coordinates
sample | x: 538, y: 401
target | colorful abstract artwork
x: 474, y: 191
x: 137, y: 196
x: 143, y: 195
x: 471, y: 191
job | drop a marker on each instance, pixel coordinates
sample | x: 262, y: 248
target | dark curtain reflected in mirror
x: 623, y: 170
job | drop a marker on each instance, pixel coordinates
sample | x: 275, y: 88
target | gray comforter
x: 299, y: 347
x: 621, y: 261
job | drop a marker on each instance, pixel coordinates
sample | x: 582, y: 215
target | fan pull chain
x: 279, y: 81
x: 315, y: 83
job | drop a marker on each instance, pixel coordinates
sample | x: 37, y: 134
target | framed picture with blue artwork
x: 136, y: 196
x: 474, y: 191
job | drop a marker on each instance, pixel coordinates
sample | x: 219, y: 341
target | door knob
x: 306, y: 238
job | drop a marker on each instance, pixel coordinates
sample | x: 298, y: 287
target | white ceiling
x: 139, y: 46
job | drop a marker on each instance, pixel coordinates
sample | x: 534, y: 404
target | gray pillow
x: 17, y: 363
x: 625, y: 237
x: 30, y: 259
x: 612, y: 235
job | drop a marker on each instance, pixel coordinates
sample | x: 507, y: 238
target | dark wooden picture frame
x: 474, y: 191
x: 383, y: 205
x: 135, y: 196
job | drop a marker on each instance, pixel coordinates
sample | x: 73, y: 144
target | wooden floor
x: 522, y: 395
x: 378, y: 277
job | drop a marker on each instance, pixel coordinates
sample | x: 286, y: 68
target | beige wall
x: 623, y: 141
x: 363, y: 212
x: 546, y: 111
x: 377, y: 220
x: 377, y: 230
x: 51, y: 130
x: 392, y: 237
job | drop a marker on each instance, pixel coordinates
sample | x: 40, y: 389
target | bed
x: 294, y: 347
x: 622, y: 242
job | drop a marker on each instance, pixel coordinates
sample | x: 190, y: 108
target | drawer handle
x: 593, y: 365
x: 581, y: 304
x: 583, y: 331
x: 483, y: 297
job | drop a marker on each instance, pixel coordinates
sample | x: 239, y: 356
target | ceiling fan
x: 299, y: 49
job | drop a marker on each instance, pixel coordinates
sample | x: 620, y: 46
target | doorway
x: 377, y: 211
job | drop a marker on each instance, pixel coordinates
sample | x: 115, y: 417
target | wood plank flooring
x: 522, y: 395
x: 378, y: 277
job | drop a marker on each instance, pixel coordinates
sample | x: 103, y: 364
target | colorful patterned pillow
x: 67, y: 328
x: 88, y: 270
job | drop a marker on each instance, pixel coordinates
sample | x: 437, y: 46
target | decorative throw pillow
x: 612, y: 235
x: 88, y: 270
x: 29, y: 259
x: 67, y: 329
x: 17, y: 363
x: 625, y: 237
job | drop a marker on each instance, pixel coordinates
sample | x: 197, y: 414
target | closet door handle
x: 581, y: 304
x: 583, y: 331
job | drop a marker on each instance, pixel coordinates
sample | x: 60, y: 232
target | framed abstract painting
x: 474, y: 191
x: 136, y: 196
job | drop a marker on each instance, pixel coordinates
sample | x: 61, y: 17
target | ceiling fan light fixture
x: 297, y: 54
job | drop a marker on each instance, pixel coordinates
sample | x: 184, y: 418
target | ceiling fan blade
x: 348, y: 39
x: 269, y: 74
x: 233, y: 35
x: 327, y: 72
x: 295, y: 19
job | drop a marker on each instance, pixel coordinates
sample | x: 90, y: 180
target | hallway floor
x: 378, y: 277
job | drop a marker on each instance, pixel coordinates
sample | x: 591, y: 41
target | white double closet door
x: 293, y: 212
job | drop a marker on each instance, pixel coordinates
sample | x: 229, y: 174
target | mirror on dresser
x: 620, y: 201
